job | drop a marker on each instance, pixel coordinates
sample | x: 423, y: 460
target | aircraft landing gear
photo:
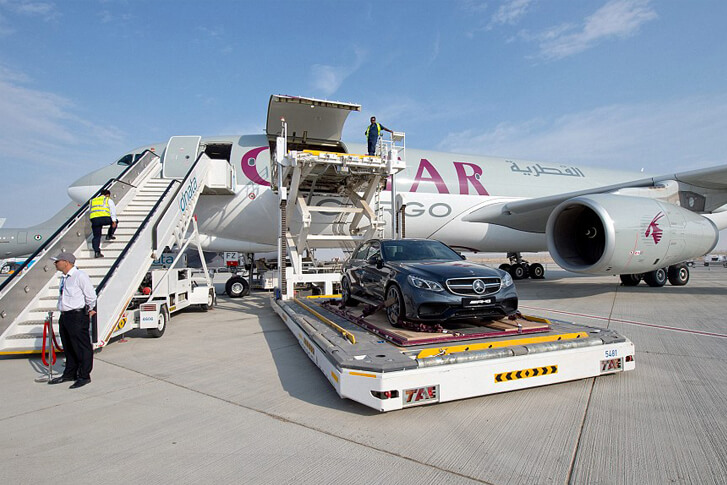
x: 520, y: 269
x: 677, y: 275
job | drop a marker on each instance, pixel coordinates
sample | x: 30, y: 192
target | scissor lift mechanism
x: 357, y: 180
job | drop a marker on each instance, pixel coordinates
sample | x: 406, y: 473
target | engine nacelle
x: 615, y: 234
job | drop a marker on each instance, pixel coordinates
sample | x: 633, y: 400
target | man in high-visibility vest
x: 103, y: 213
x: 372, y: 134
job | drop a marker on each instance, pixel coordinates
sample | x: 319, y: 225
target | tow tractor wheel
x: 505, y: 267
x: 396, y: 310
x: 346, y: 293
x: 630, y: 279
x: 237, y: 287
x: 656, y: 278
x: 537, y: 272
x: 162, y: 321
x: 210, y: 302
x: 678, y: 274
x: 518, y: 271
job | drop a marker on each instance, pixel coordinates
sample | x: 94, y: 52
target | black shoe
x: 80, y: 383
x: 110, y: 238
x: 58, y: 380
x: 98, y: 255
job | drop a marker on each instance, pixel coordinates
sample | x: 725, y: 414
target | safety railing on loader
x: 19, y: 290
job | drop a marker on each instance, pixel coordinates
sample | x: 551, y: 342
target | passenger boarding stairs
x: 155, y: 200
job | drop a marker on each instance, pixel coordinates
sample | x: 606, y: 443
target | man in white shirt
x: 76, y: 302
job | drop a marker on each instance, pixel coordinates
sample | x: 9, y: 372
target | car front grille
x: 465, y: 286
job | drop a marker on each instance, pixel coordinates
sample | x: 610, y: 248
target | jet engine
x: 615, y: 234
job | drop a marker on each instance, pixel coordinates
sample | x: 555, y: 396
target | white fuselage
x: 439, y: 188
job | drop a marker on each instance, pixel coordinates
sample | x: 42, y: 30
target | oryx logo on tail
x: 653, y: 229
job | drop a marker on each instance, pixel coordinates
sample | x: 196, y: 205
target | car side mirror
x: 375, y: 261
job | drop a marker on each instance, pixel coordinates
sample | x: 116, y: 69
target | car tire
x: 346, y: 293
x: 630, y: 279
x: 656, y: 278
x: 537, y: 272
x: 678, y: 274
x: 397, y: 310
x: 237, y: 287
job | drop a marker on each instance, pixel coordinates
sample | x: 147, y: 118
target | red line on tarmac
x: 629, y: 322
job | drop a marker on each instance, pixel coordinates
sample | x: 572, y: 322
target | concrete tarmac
x: 229, y: 397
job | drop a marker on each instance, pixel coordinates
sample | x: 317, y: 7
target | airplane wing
x: 702, y: 191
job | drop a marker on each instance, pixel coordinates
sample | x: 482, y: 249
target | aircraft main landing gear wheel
x: 630, y: 279
x: 237, y: 287
x: 505, y: 267
x: 656, y: 278
x: 678, y: 274
x: 537, y: 272
x: 396, y: 311
x: 518, y: 271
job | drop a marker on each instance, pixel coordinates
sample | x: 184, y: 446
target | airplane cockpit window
x: 126, y: 160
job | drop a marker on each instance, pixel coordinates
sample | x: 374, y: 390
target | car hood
x: 447, y: 269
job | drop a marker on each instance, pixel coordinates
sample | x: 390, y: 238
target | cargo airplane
x: 591, y: 220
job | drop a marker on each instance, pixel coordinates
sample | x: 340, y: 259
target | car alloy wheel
x: 394, y: 312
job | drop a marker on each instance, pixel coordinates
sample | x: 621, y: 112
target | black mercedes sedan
x: 425, y: 281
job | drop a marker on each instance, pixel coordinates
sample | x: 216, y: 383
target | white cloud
x: 658, y: 137
x: 326, y: 79
x: 616, y: 19
x: 510, y: 12
x: 43, y: 141
x: 45, y: 10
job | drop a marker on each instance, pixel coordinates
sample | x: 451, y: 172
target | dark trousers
x: 372, y: 146
x: 76, y: 344
x: 97, y: 224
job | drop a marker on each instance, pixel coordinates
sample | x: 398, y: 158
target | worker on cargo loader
x: 372, y: 134
x: 103, y: 213
x: 76, y: 302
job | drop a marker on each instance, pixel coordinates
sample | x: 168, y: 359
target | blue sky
x: 628, y: 84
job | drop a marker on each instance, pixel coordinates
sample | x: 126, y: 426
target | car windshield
x: 404, y: 250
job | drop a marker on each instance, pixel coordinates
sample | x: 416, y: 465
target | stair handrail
x: 158, y: 213
x: 144, y: 223
x: 23, y: 287
x: 81, y: 210
x: 155, y: 230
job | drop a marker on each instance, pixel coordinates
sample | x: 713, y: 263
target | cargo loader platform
x: 366, y: 366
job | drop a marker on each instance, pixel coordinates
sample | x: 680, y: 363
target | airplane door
x: 179, y: 156
x: 22, y: 237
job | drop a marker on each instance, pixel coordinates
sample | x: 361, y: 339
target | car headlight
x: 423, y: 284
x: 507, y: 280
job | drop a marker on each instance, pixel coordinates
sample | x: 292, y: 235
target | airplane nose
x: 81, y: 193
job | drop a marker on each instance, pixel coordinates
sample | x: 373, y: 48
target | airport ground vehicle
x: 163, y: 293
x: 715, y: 260
x: 363, y: 356
x: 425, y: 280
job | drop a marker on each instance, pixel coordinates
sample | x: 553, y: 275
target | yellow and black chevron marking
x: 120, y: 324
x: 524, y: 373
